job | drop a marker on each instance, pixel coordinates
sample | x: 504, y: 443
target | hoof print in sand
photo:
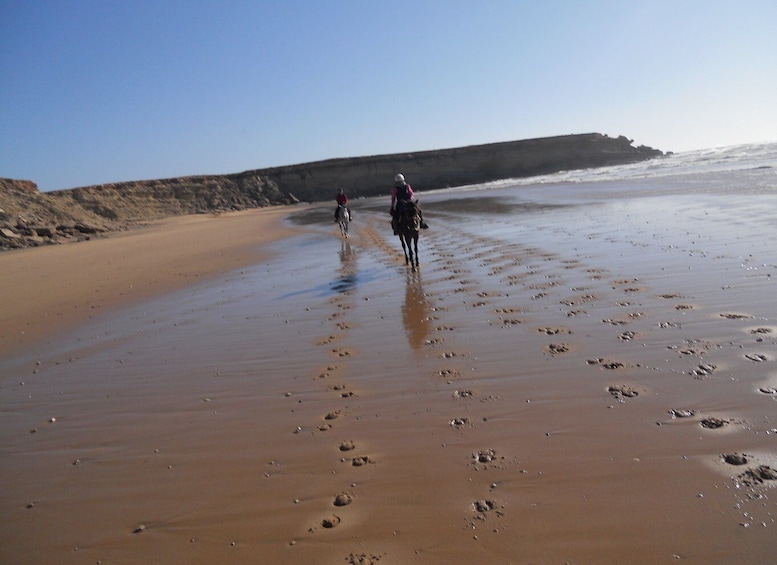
x: 756, y: 357
x: 361, y: 461
x: 458, y: 422
x: 485, y: 457
x: 448, y: 373
x: 681, y: 413
x: 554, y: 331
x: 703, y: 370
x: 622, y: 391
x: 347, y: 445
x: 713, y: 423
x: 607, y: 364
x: 362, y: 559
x: 483, y: 506
x: 759, y: 475
x: 331, y: 522
x: 343, y: 499
x: 557, y: 348
x: 332, y: 415
x: 735, y: 316
x: 735, y: 459
x: 340, y: 352
x: 768, y: 390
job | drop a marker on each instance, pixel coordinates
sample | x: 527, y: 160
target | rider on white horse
x: 342, y: 201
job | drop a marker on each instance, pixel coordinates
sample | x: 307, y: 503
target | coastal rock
x: 8, y: 233
x: 84, y: 212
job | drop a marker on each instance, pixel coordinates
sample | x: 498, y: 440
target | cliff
x: 429, y: 170
x: 29, y: 217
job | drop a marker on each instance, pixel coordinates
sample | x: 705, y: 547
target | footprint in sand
x: 713, y: 423
x: 759, y: 475
x: 341, y: 352
x: 459, y: 422
x: 331, y: 521
x: 627, y: 336
x: 343, y: 499
x: 362, y: 559
x: 607, y: 364
x: 556, y: 348
x: 756, y: 357
x: 735, y: 316
x: 735, y: 459
x: 681, y: 413
x: 622, y: 391
x: 327, y: 340
x: 554, y: 331
x: 484, y: 506
x: 361, y: 461
x: 703, y: 370
x: 347, y: 445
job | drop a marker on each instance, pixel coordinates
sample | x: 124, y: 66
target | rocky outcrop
x: 29, y: 217
x: 429, y: 170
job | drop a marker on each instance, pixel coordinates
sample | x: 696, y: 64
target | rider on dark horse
x: 401, y: 195
x: 342, y: 202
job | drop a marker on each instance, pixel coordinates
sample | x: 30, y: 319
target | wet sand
x: 551, y: 386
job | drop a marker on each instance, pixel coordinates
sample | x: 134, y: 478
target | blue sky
x: 102, y: 91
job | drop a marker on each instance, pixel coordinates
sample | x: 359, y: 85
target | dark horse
x: 408, y: 225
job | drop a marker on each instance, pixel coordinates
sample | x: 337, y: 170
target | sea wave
x: 749, y: 156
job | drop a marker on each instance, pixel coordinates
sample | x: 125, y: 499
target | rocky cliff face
x: 429, y: 170
x: 29, y: 217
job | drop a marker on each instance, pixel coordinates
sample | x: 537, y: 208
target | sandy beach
x: 571, y: 376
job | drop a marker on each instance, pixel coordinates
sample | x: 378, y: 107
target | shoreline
x: 48, y: 290
x: 549, y: 386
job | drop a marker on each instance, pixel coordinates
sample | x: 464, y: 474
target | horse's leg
x: 415, y: 244
x: 404, y: 247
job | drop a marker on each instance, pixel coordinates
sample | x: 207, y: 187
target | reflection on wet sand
x: 415, y: 311
x: 349, y: 277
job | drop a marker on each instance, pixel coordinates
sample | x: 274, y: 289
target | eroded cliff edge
x: 29, y: 217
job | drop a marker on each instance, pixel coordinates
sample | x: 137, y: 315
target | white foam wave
x: 712, y: 160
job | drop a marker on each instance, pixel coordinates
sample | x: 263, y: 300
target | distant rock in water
x: 29, y: 217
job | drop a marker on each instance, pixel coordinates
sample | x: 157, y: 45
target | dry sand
x: 508, y: 403
x: 51, y: 288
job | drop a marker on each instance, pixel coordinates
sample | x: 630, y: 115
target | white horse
x: 343, y: 219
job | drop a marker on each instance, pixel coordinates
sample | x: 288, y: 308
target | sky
x: 99, y: 91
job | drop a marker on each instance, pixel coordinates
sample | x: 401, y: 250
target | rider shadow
x: 416, y: 312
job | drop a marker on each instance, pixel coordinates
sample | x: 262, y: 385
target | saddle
x: 342, y: 209
x: 408, y: 216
